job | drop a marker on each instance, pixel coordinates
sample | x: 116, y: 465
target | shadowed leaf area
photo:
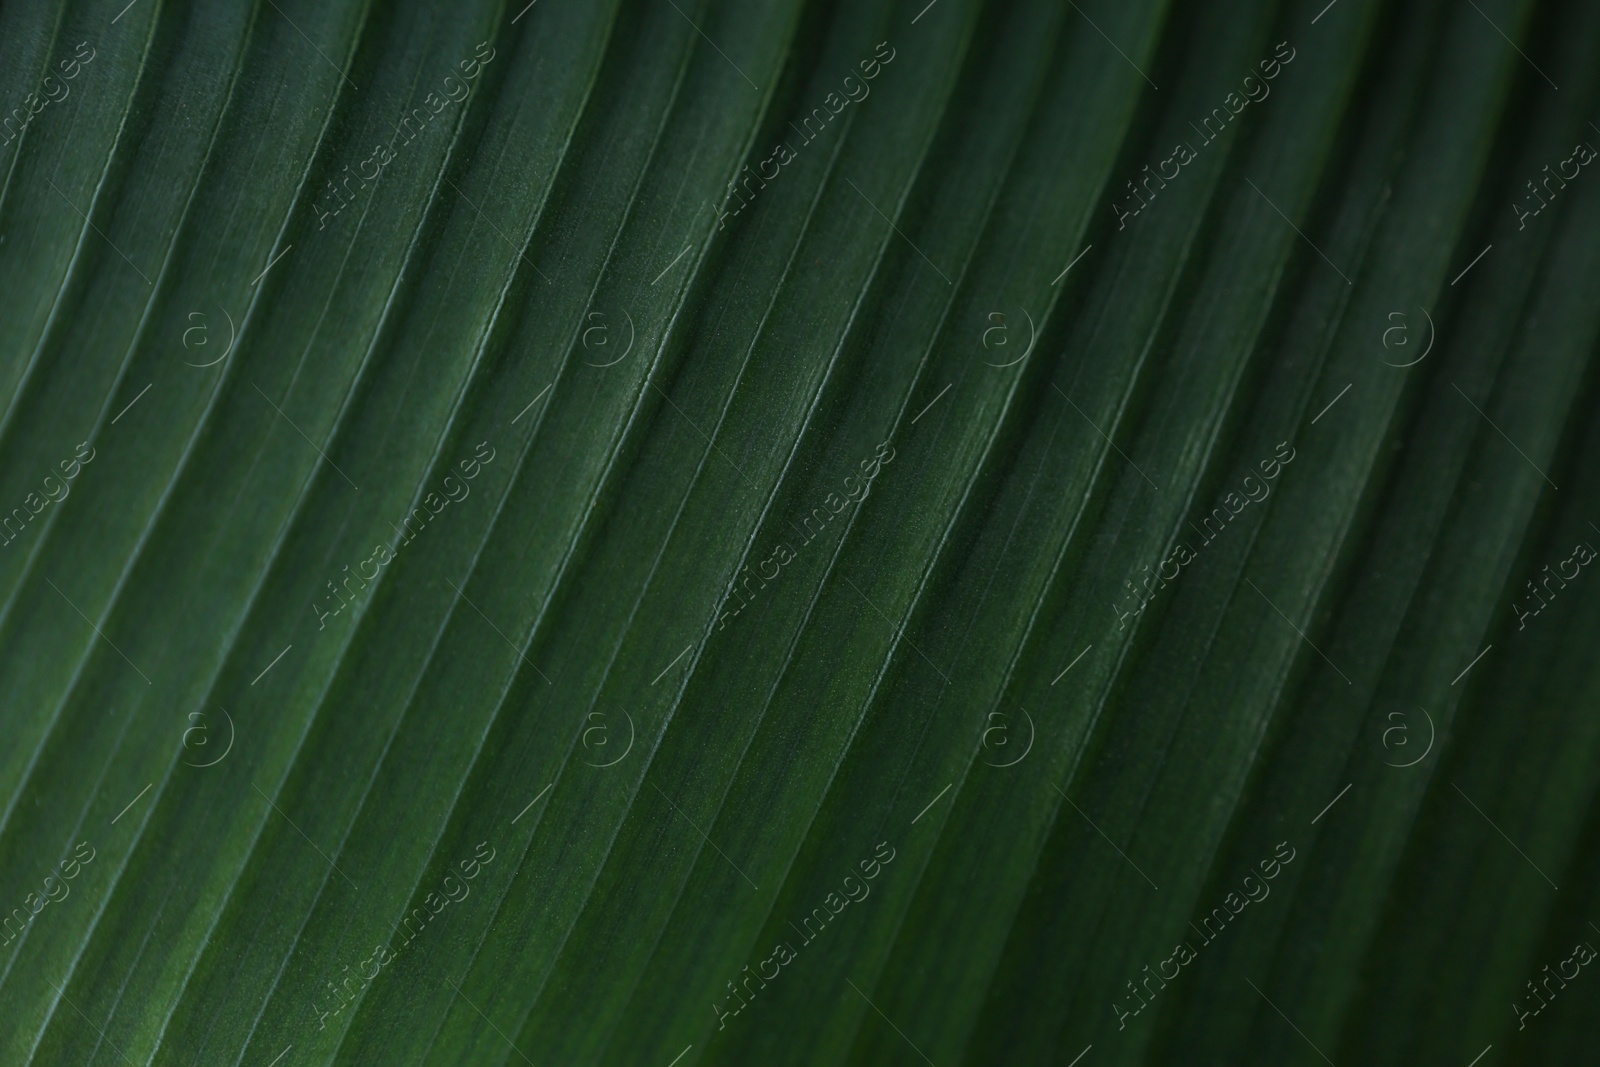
x: 726, y: 532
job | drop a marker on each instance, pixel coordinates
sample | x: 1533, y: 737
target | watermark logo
x: 999, y: 340
x: 596, y: 735
x: 196, y: 739
x: 998, y: 742
x: 596, y: 337
x: 1398, y: 741
x: 195, y: 337
x: 1401, y: 338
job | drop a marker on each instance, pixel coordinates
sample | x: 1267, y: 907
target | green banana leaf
x: 799, y: 532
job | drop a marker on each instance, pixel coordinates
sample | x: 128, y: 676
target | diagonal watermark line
x: 490, y: 1021
x: 523, y: 12
x: 1469, y: 666
x: 302, y: 433
x: 1502, y: 433
x: 281, y: 1055
x: 132, y: 402
x: 1298, y: 230
x: 1324, y: 11
x: 1332, y: 402
x: 663, y: 274
x: 1480, y: 1056
x: 901, y: 232
x: 131, y: 803
x: 707, y: 840
x: 270, y: 262
x: 1113, y: 44
x: 123, y: 12
x: 1102, y: 833
x: 1502, y: 833
x: 702, y: 433
x: 497, y: 230
x: 924, y: 11
x: 302, y: 833
x: 1469, y: 266
x: 890, y: 1021
x: 313, y: 44
x: 1080, y: 1056
x: 1513, y: 44
x: 713, y: 44
x: 931, y: 803
x: 271, y: 665
x: 1297, y: 630
x: 1071, y: 665
x: 680, y: 1056
x: 1074, y: 263
x: 899, y: 630
x: 532, y: 802
x: 1331, y: 803
x: 673, y: 664
x: 1290, y: 1022
x: 532, y: 402
x: 497, y: 630
x: 88, y: 1020
x: 97, y: 630
x: 932, y: 402
x: 1108, y: 440
x: 97, y: 229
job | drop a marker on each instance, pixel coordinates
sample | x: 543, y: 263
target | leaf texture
x: 694, y: 532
